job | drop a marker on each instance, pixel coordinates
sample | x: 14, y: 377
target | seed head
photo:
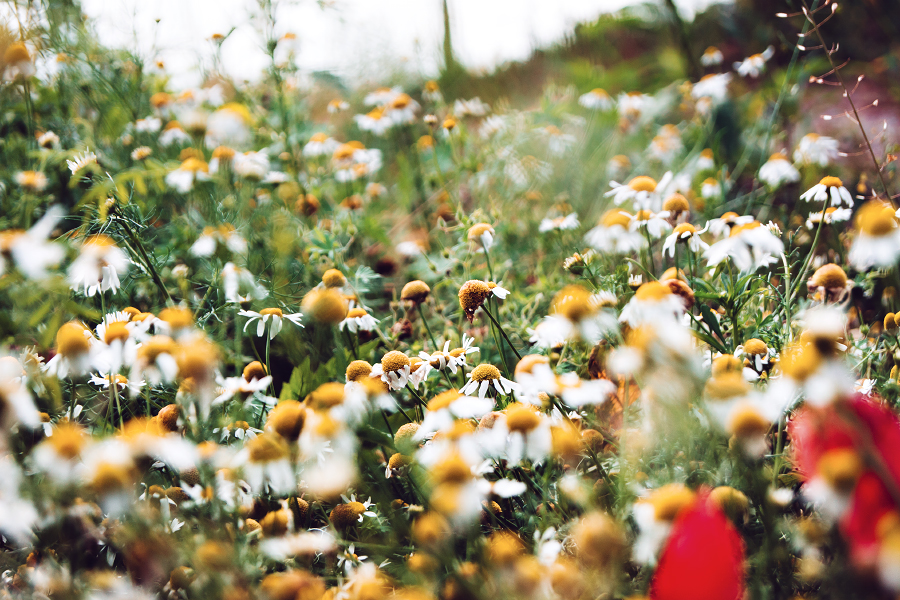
x: 829, y: 276
x: 415, y: 291
x: 358, y: 370
x: 287, y: 419
x: 332, y: 278
x: 326, y: 305
x: 394, y: 361
x: 472, y: 295
x: 71, y: 340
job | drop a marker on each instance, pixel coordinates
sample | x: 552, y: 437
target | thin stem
x: 427, y: 327
x: 837, y: 73
x: 502, y: 332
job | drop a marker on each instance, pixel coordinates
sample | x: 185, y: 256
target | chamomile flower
x: 687, y: 234
x: 596, y: 99
x: 482, y: 234
x: 16, y: 402
x: 653, y: 302
x: 706, y: 161
x: 654, y: 515
x: 831, y: 215
x: 32, y: 181
x: 81, y: 161
x: 575, y: 314
x: 522, y: 432
x: 320, y: 144
x: 642, y: 190
x: 230, y: 125
x: 445, y: 408
x: 473, y: 294
x: 724, y: 224
x: 829, y: 187
x: 337, y: 105
x: 711, y: 57
x: 777, y: 171
x: 754, y: 65
x: 358, y: 320
x: 251, y: 165
x: 241, y: 285
x: 173, y: 134
x: 73, y: 351
x: 155, y: 361
x: 714, y: 87
x: 710, y: 188
x: 265, y: 460
x: 666, y: 145
x: 815, y: 149
x: 749, y: 246
x: 558, y: 143
x: 191, y: 171
x: 394, y: 369
x: 877, y: 243
x: 30, y: 251
x: 98, y: 266
x: 212, y: 237
x: 613, y: 234
x: 402, y: 109
x: 485, y: 376
x: 565, y: 223
x: 376, y: 121
x: 122, y: 383
x: 655, y: 223
x: 263, y: 317
x: 473, y: 107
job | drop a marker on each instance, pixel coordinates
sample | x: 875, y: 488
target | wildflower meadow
x: 622, y: 330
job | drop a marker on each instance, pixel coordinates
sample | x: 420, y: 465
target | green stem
x: 502, y: 332
x: 427, y: 327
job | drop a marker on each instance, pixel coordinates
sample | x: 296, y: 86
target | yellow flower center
x: 876, y: 219
x: 676, y: 203
x: 443, y: 400
x: 287, y: 419
x: 327, y: 306
x: 394, y: 361
x: 573, y: 302
x: 70, y: 340
x: 653, y: 291
x: 267, y: 447
x: 333, y: 278
x: 669, y: 500
x: 746, y: 422
x: 415, y: 291
x: 615, y: 217
x: 272, y: 311
x: 529, y: 362
x: 357, y: 370
x: 642, y: 183
x: 472, y: 295
x: 726, y: 386
x: 485, y: 372
x: 521, y: 418
x: 254, y: 370
x: 841, y: 468
x: 67, y: 440
x: 829, y: 276
x: 177, y: 318
x: 479, y: 229
x: 831, y: 181
x: 326, y: 395
x: 754, y: 347
x: 683, y: 228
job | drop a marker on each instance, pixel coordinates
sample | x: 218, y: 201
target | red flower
x: 869, y: 429
x: 703, y: 558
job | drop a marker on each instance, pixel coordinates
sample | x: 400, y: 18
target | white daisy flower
x: 596, y: 99
x: 565, y: 223
x: 878, y: 242
x: 829, y: 187
x: 777, y: 171
x: 614, y: 235
x: 30, y: 250
x: 394, y: 369
x: 98, y: 266
x: 358, y: 320
x: 754, y: 65
x: 320, y: 144
x: 687, y: 234
x: 749, y: 246
x: 711, y: 57
x: 653, y: 302
x: 275, y: 315
x: 483, y: 377
x: 713, y: 86
x: 815, y: 149
x: 81, y: 161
